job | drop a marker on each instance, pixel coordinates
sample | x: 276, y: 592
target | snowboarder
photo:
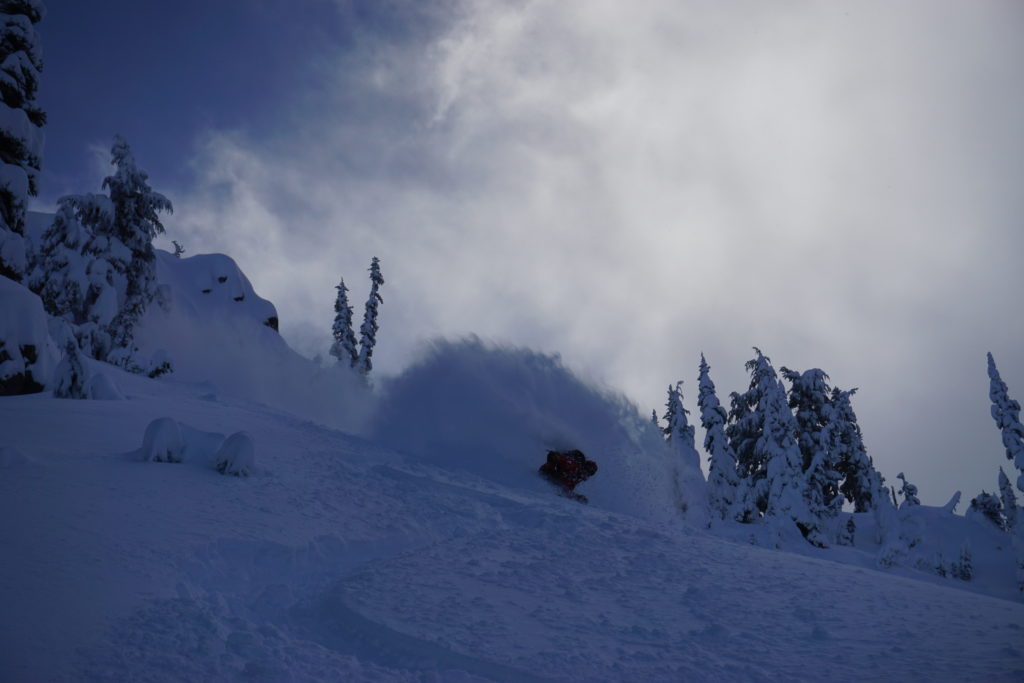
x: 566, y: 469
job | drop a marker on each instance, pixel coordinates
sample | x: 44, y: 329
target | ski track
x: 339, y: 560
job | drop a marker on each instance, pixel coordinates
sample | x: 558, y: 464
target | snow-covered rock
x: 237, y: 455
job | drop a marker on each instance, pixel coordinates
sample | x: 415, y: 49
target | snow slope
x: 426, y: 549
x: 341, y: 559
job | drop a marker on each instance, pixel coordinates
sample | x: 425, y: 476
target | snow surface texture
x: 343, y: 560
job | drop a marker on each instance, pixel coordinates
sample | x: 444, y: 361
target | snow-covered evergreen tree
x: 909, y: 492
x: 1006, y: 413
x: 778, y: 450
x: 728, y: 497
x: 963, y: 568
x: 679, y: 434
x: 678, y: 426
x: 21, y: 122
x: 73, y: 271
x: 745, y: 427
x: 136, y: 222
x: 654, y: 419
x: 344, y: 346
x: 862, y: 483
x: 1009, y: 501
x: 817, y: 438
x: 368, y: 330
x: 72, y: 375
x: 988, y: 507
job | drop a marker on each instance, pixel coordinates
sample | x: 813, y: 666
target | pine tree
x: 678, y: 427
x: 1009, y: 501
x: 654, y: 419
x: 963, y: 568
x: 778, y: 449
x: 989, y: 507
x: 71, y: 374
x: 368, y: 330
x: 72, y: 272
x: 909, y: 492
x: 1006, y: 413
x: 728, y: 497
x: 817, y: 438
x: 135, y: 224
x: 21, y: 121
x: 344, y: 346
x: 745, y: 427
x: 861, y: 481
x: 679, y: 435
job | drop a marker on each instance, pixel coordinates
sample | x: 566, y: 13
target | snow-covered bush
x: 71, y: 377
x: 237, y: 455
x: 986, y: 507
x: 163, y: 441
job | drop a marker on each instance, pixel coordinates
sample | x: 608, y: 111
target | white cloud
x: 633, y: 183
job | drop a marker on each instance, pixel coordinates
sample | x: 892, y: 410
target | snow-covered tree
x: 679, y: 435
x: 135, y: 223
x: 96, y: 267
x: 1009, y: 501
x: 728, y: 497
x: 678, y: 427
x: 368, y: 330
x: 862, y: 484
x: 74, y: 270
x: 654, y: 419
x: 817, y: 438
x: 963, y: 568
x: 777, y: 448
x: 988, y: 507
x: 72, y: 375
x: 344, y: 346
x: 909, y: 492
x: 21, y: 122
x: 745, y: 427
x: 1006, y: 413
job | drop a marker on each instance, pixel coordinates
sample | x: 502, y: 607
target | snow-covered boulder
x: 163, y: 441
x: 237, y: 455
x: 27, y: 354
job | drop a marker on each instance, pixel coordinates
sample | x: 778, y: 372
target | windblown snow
x: 398, y: 531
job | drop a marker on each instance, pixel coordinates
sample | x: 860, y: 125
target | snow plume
x: 496, y: 411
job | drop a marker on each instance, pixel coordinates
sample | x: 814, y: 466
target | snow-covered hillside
x: 341, y: 559
x: 398, y: 530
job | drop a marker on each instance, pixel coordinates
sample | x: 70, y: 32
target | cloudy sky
x: 629, y: 184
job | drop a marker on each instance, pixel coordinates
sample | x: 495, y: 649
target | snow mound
x: 163, y: 441
x: 102, y: 388
x: 495, y: 412
x: 237, y: 455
